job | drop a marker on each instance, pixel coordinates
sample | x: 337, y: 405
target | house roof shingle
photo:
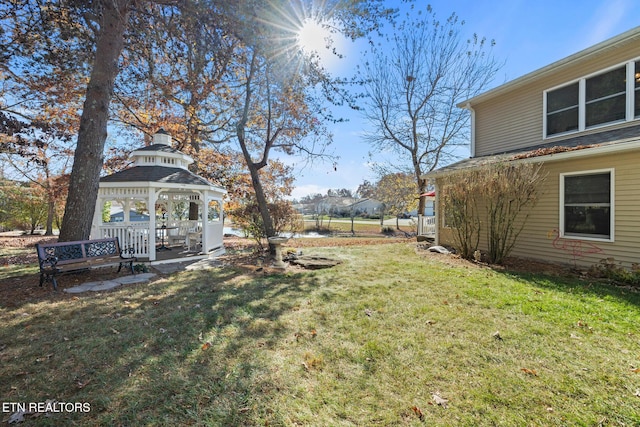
x: 575, y: 143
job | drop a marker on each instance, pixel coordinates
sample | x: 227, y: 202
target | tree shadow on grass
x: 192, y: 348
x: 578, y: 285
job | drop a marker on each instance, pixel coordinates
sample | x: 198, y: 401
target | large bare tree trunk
x: 88, y: 159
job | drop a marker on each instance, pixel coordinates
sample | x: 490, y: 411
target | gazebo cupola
x: 160, y: 153
x: 159, y: 201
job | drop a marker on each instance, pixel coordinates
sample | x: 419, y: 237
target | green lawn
x: 378, y: 340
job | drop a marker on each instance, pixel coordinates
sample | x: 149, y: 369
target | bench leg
x: 130, y: 266
x: 48, y: 277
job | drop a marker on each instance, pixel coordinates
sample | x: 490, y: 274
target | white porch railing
x: 427, y: 225
x: 136, y: 236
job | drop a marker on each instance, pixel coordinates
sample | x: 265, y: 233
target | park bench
x: 63, y: 257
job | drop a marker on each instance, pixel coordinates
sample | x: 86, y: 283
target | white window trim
x: 582, y: 85
x: 612, y: 226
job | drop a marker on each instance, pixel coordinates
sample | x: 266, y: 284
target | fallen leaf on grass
x: 636, y: 370
x: 529, y: 371
x: 81, y: 384
x: 47, y: 357
x: 206, y: 346
x: 418, y: 412
x: 439, y: 400
x: 16, y: 417
x: 584, y: 325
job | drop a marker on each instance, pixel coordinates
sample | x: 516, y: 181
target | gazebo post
x: 126, y: 206
x: 152, y: 224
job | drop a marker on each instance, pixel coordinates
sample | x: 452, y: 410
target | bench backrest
x: 69, y: 252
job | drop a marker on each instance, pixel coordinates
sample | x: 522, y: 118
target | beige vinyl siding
x: 514, y: 120
x: 536, y: 240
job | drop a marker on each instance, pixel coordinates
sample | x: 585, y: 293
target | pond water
x: 308, y: 235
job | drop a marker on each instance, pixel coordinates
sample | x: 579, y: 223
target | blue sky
x: 528, y: 34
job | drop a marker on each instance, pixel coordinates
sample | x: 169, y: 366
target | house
x: 133, y: 216
x: 366, y: 206
x: 333, y: 205
x: 580, y: 118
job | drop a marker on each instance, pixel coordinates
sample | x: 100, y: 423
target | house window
x: 606, y: 99
x: 562, y: 109
x: 600, y: 99
x: 587, y: 204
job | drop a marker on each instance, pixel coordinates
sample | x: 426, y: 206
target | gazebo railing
x: 135, y: 236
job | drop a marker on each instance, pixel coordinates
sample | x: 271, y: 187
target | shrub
x: 609, y: 269
x: 496, y: 199
x: 285, y: 219
x: 389, y: 231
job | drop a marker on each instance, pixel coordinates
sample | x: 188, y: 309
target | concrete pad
x: 79, y: 289
x: 168, y: 268
x: 105, y: 285
x: 134, y: 278
x: 204, y: 264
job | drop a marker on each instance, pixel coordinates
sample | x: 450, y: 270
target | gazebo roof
x: 158, y: 147
x: 160, y: 164
x: 160, y: 174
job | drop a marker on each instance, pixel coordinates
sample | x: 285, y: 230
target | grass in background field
x: 386, y: 338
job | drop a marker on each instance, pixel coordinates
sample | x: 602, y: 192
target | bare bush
x: 497, y: 199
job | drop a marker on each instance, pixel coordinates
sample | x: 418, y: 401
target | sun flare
x: 313, y: 37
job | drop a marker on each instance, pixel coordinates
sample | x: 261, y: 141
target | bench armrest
x: 50, y: 262
x: 128, y: 252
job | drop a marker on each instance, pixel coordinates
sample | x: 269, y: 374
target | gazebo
x: 159, y: 205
